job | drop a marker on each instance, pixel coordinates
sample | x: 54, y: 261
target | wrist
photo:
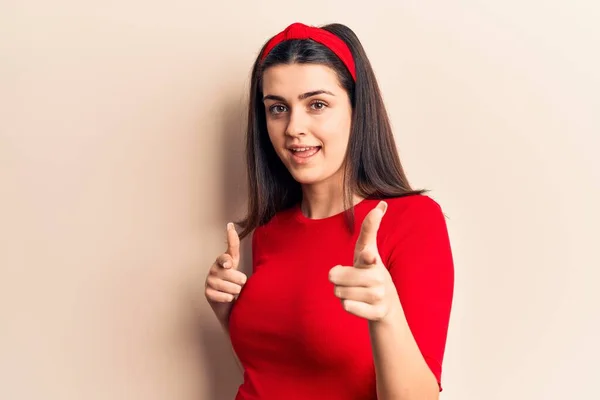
x: 394, y: 317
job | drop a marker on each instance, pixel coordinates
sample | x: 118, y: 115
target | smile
x: 302, y: 155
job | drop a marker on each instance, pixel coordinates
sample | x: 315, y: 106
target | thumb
x: 233, y: 244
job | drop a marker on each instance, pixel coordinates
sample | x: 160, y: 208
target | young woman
x: 352, y: 272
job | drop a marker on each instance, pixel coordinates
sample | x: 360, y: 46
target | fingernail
x: 385, y: 206
x: 226, y: 264
x: 331, y: 276
x: 229, y: 226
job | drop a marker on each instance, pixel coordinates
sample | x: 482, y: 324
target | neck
x: 322, y: 201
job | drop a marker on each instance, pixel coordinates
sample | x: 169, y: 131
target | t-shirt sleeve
x: 421, y: 265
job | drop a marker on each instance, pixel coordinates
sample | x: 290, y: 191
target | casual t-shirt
x: 289, y: 330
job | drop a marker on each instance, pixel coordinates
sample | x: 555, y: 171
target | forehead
x: 299, y: 78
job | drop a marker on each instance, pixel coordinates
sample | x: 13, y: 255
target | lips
x: 302, y: 155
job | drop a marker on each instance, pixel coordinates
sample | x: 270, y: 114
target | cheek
x: 277, y: 138
x: 335, y: 136
x: 275, y: 132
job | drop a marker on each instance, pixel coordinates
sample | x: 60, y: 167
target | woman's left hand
x: 366, y: 289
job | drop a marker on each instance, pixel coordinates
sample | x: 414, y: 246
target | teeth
x: 303, y: 149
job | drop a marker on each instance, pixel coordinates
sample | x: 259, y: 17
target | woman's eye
x: 277, y: 109
x: 318, y: 105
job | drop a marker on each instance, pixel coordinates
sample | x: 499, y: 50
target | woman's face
x: 308, y: 118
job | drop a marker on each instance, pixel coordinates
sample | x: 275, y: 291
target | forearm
x: 401, y: 370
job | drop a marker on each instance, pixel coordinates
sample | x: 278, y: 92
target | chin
x: 307, y: 178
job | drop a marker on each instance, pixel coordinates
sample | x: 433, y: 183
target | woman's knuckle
x: 210, y: 281
x: 374, y: 295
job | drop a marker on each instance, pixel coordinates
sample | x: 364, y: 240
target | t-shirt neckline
x: 299, y: 215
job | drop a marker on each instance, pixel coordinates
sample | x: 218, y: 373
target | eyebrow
x: 301, y: 97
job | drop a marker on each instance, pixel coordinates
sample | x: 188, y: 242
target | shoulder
x: 413, y: 207
x: 413, y: 231
x: 415, y: 215
x: 416, y: 201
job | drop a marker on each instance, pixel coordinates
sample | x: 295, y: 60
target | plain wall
x: 121, y: 160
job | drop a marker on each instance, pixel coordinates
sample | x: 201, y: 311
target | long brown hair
x: 372, y: 164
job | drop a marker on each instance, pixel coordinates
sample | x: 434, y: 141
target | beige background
x: 121, y: 162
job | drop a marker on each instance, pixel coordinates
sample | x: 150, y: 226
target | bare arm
x: 402, y: 373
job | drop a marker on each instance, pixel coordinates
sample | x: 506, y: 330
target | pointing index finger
x: 370, y: 226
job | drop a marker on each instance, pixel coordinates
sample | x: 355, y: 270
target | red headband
x: 326, y: 38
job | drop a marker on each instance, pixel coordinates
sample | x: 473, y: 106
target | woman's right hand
x: 224, y: 282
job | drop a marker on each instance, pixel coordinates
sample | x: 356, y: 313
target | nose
x: 296, y: 124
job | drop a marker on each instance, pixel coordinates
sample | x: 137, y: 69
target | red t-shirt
x: 290, y: 332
